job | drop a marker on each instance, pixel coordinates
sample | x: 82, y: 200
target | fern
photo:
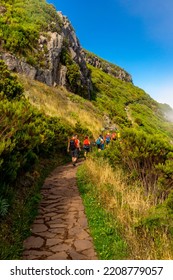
x: 3, y: 207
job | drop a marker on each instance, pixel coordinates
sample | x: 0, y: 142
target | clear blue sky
x: 137, y: 35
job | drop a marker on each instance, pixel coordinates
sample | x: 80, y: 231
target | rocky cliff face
x: 54, y: 71
x: 63, y: 61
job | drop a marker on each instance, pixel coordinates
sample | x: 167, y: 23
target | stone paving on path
x: 60, y: 231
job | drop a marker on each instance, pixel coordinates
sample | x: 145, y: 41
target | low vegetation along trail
x: 60, y: 231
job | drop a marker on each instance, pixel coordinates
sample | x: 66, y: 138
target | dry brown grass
x: 61, y: 103
x: 128, y: 204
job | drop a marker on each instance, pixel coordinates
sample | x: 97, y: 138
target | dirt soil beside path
x: 60, y: 231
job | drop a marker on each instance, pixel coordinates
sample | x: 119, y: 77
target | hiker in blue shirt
x: 100, y: 143
x: 107, y: 138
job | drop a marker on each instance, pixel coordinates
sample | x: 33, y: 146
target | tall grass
x: 61, y: 103
x: 129, y: 205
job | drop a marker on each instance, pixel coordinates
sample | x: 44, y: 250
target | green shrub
x: 73, y: 74
x: 21, y: 24
x: 9, y: 86
x: 82, y: 130
x: 25, y: 133
x: 147, y: 158
x: 159, y: 219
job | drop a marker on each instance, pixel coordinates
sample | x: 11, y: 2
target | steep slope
x: 43, y: 45
x: 38, y: 41
x: 128, y: 105
x: 58, y: 102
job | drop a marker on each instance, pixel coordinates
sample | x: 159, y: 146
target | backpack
x: 108, y: 138
x: 98, y: 141
x: 72, y: 144
x: 114, y: 136
x: 86, y: 142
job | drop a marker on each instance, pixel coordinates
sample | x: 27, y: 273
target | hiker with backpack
x: 77, y: 143
x: 107, y: 138
x: 74, y: 148
x: 114, y: 136
x: 118, y: 135
x: 86, y: 146
x: 100, y: 143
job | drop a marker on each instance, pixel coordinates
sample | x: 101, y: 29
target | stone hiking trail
x: 60, y: 231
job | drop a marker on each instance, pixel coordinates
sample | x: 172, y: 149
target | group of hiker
x: 103, y: 141
x: 74, y: 145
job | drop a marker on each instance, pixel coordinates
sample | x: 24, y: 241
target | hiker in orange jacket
x: 114, y: 136
x: 86, y: 146
x: 77, y: 142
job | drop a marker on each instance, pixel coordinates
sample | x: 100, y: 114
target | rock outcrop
x: 62, y: 61
x: 106, y: 66
x: 53, y: 72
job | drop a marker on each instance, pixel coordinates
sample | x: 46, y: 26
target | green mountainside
x: 21, y: 22
x: 131, y: 179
